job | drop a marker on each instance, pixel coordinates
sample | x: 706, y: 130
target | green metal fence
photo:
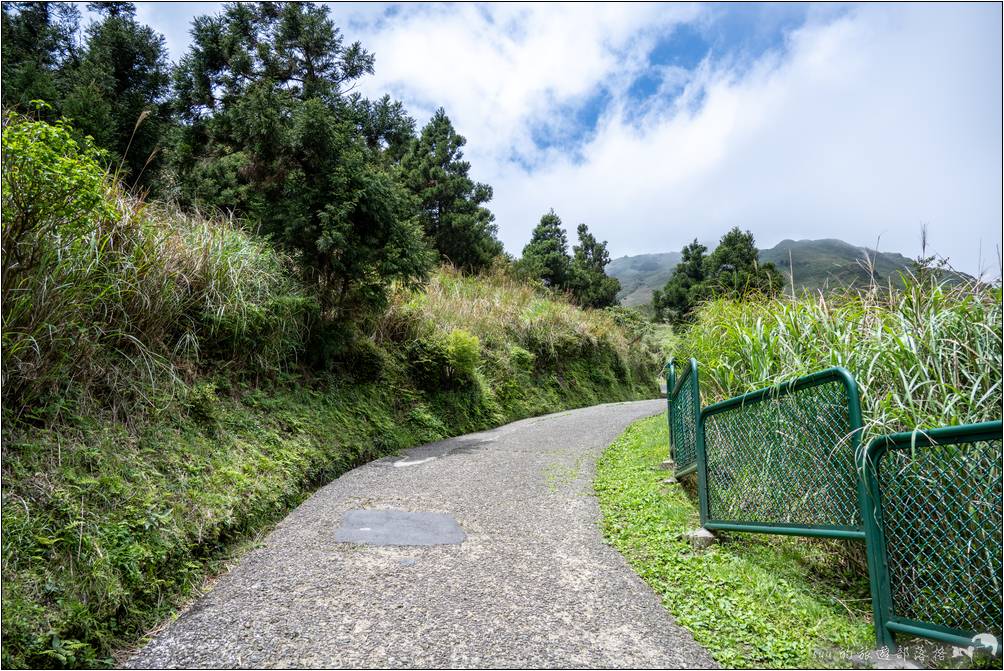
x: 670, y: 373
x: 684, y: 413
x: 787, y: 460
x: 933, y: 522
x: 781, y: 459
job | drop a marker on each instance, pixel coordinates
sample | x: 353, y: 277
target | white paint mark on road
x: 405, y: 462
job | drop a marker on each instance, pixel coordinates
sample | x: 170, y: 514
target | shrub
x: 463, y: 351
x: 103, y: 296
x: 521, y: 359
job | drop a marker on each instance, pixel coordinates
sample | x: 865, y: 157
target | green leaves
x: 546, y: 255
x: 731, y: 270
x: 583, y: 274
x: 272, y: 138
x: 927, y: 355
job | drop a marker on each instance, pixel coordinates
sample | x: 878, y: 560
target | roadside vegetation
x: 924, y: 356
x: 227, y: 281
x: 753, y: 601
x: 927, y: 353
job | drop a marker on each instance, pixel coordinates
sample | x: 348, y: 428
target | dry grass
x: 500, y: 309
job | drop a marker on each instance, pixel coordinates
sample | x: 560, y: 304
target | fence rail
x: 787, y: 459
x: 933, y: 521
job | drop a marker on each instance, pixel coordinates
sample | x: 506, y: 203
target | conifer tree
x: 450, y: 203
x: 588, y: 281
x: 546, y: 255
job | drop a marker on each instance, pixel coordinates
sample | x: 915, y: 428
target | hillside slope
x: 172, y: 386
x: 110, y: 525
x: 818, y: 264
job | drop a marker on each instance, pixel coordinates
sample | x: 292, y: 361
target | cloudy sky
x: 656, y: 124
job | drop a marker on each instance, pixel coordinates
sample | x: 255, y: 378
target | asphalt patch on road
x: 399, y: 527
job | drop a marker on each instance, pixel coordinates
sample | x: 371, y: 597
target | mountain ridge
x: 819, y: 264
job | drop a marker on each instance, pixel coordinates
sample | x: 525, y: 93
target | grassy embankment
x: 165, y: 399
x: 925, y: 356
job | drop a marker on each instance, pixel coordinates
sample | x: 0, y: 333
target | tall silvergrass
x: 924, y: 356
x: 103, y: 296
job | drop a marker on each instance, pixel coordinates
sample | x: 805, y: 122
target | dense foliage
x: 451, y: 204
x: 113, y: 86
x: 100, y: 291
x: 269, y: 133
x: 259, y: 118
x: 928, y: 355
x: 731, y: 270
x: 583, y: 275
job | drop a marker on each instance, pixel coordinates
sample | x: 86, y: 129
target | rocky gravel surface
x: 532, y: 583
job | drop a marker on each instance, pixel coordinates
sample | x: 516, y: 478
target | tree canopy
x: 583, y: 274
x: 731, y: 270
x: 271, y: 131
x: 113, y: 86
x: 589, y: 282
x: 546, y: 255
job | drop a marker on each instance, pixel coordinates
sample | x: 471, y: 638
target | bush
x: 463, y: 351
x: 103, y: 296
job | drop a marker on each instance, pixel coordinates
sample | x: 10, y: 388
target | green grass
x: 925, y: 356
x: 752, y: 601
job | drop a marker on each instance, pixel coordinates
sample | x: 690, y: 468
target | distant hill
x: 639, y: 275
x: 819, y: 264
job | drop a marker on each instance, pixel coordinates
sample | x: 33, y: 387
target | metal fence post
x: 670, y: 386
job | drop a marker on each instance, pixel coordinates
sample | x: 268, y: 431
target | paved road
x: 531, y: 585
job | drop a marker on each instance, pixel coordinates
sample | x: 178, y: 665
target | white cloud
x: 501, y: 69
x: 866, y: 124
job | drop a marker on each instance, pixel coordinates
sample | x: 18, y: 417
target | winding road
x: 505, y: 566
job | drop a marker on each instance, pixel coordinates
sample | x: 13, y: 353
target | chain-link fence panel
x: 782, y: 459
x: 934, y: 532
x: 684, y: 411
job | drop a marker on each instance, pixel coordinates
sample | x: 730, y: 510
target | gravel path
x: 531, y: 585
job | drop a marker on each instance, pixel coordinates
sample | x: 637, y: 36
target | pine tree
x: 589, y: 282
x: 271, y: 132
x: 120, y: 88
x: 38, y: 51
x: 685, y: 288
x: 546, y: 255
x: 733, y: 269
x: 450, y: 202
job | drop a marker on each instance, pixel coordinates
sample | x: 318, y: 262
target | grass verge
x: 752, y: 601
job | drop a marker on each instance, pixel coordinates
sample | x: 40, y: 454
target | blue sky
x: 656, y: 124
